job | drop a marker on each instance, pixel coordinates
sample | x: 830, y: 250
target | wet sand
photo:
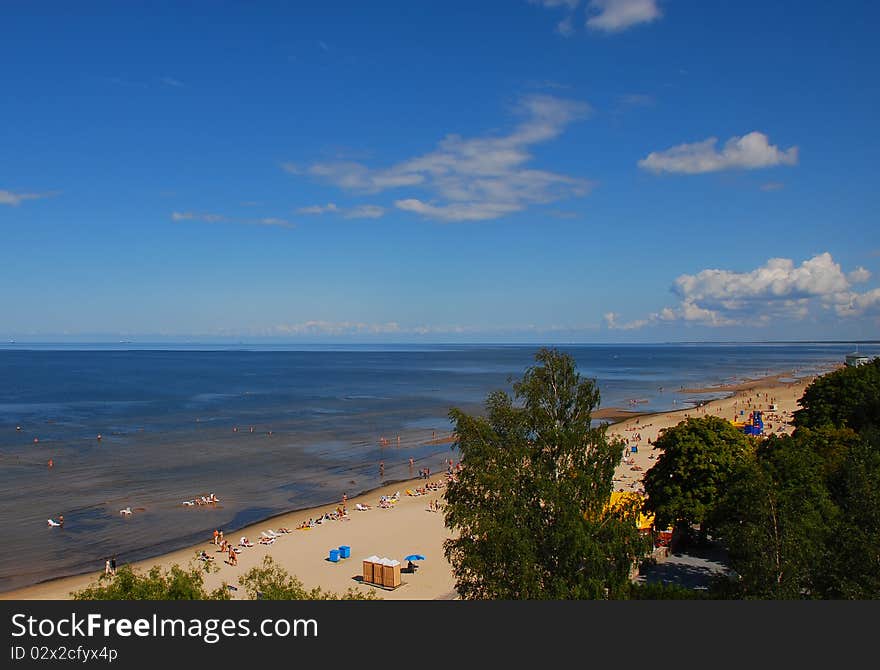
x: 410, y: 528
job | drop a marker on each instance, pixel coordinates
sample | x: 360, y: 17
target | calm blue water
x: 167, y: 420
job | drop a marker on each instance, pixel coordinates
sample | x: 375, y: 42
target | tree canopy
x: 848, y: 397
x: 698, y: 456
x: 270, y: 581
x: 802, y: 518
x: 175, y: 583
x: 530, y: 505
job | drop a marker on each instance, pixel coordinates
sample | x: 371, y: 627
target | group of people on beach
x: 209, y: 499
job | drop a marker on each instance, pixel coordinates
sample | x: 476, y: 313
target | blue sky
x: 511, y: 171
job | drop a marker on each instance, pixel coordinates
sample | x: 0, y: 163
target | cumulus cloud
x: 779, y: 289
x: 467, y: 179
x: 612, y: 323
x: 616, y: 15
x: 15, y: 199
x: 748, y: 152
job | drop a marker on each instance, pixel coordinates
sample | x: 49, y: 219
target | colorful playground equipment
x: 754, y: 426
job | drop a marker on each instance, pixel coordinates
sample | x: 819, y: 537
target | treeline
x: 268, y: 581
x: 799, y: 515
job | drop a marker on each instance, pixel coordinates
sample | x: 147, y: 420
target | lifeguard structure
x: 754, y: 426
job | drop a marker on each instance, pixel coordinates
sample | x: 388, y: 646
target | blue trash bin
x: 344, y: 551
x: 334, y: 555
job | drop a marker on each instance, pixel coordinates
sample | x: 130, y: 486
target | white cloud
x: 779, y: 289
x: 748, y: 152
x: 171, y: 81
x: 856, y: 304
x: 218, y: 218
x: 364, y: 212
x: 476, y: 178
x: 772, y: 186
x: 469, y: 211
x: 15, y: 199
x: 859, y: 275
x: 195, y: 216
x: 571, y: 4
x: 565, y: 27
x: 270, y: 221
x: 637, y: 100
x: 336, y: 328
x: 356, y: 212
x: 616, y: 15
x: 318, y: 209
x: 324, y: 328
x: 612, y: 323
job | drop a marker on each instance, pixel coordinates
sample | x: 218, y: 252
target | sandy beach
x: 410, y: 527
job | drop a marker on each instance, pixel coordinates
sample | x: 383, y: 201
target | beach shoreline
x: 409, y: 527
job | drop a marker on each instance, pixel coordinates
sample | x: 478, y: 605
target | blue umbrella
x: 414, y: 557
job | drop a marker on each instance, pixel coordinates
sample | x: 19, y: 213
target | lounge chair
x: 269, y: 534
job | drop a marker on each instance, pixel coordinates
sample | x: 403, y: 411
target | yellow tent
x: 621, y: 498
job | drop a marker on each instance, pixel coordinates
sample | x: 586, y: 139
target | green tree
x: 776, y: 519
x: 854, y: 572
x: 530, y: 506
x: 697, y: 457
x: 176, y: 583
x: 848, y: 397
x: 272, y: 582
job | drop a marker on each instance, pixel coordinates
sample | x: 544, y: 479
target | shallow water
x: 167, y: 418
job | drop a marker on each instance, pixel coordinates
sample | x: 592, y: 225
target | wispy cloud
x: 197, y: 216
x: 219, y: 218
x: 364, y: 212
x: 570, y: 4
x: 636, y: 100
x: 779, y: 289
x: 748, y: 152
x: 171, y: 81
x: 335, y: 328
x: 329, y: 208
x: 326, y: 328
x: 772, y: 186
x: 614, y: 16
x: 15, y: 199
x: 471, y: 179
x: 356, y: 212
x: 566, y: 27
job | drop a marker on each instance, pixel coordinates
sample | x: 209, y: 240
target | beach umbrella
x: 414, y: 557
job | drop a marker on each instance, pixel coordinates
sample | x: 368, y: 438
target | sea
x: 271, y: 429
